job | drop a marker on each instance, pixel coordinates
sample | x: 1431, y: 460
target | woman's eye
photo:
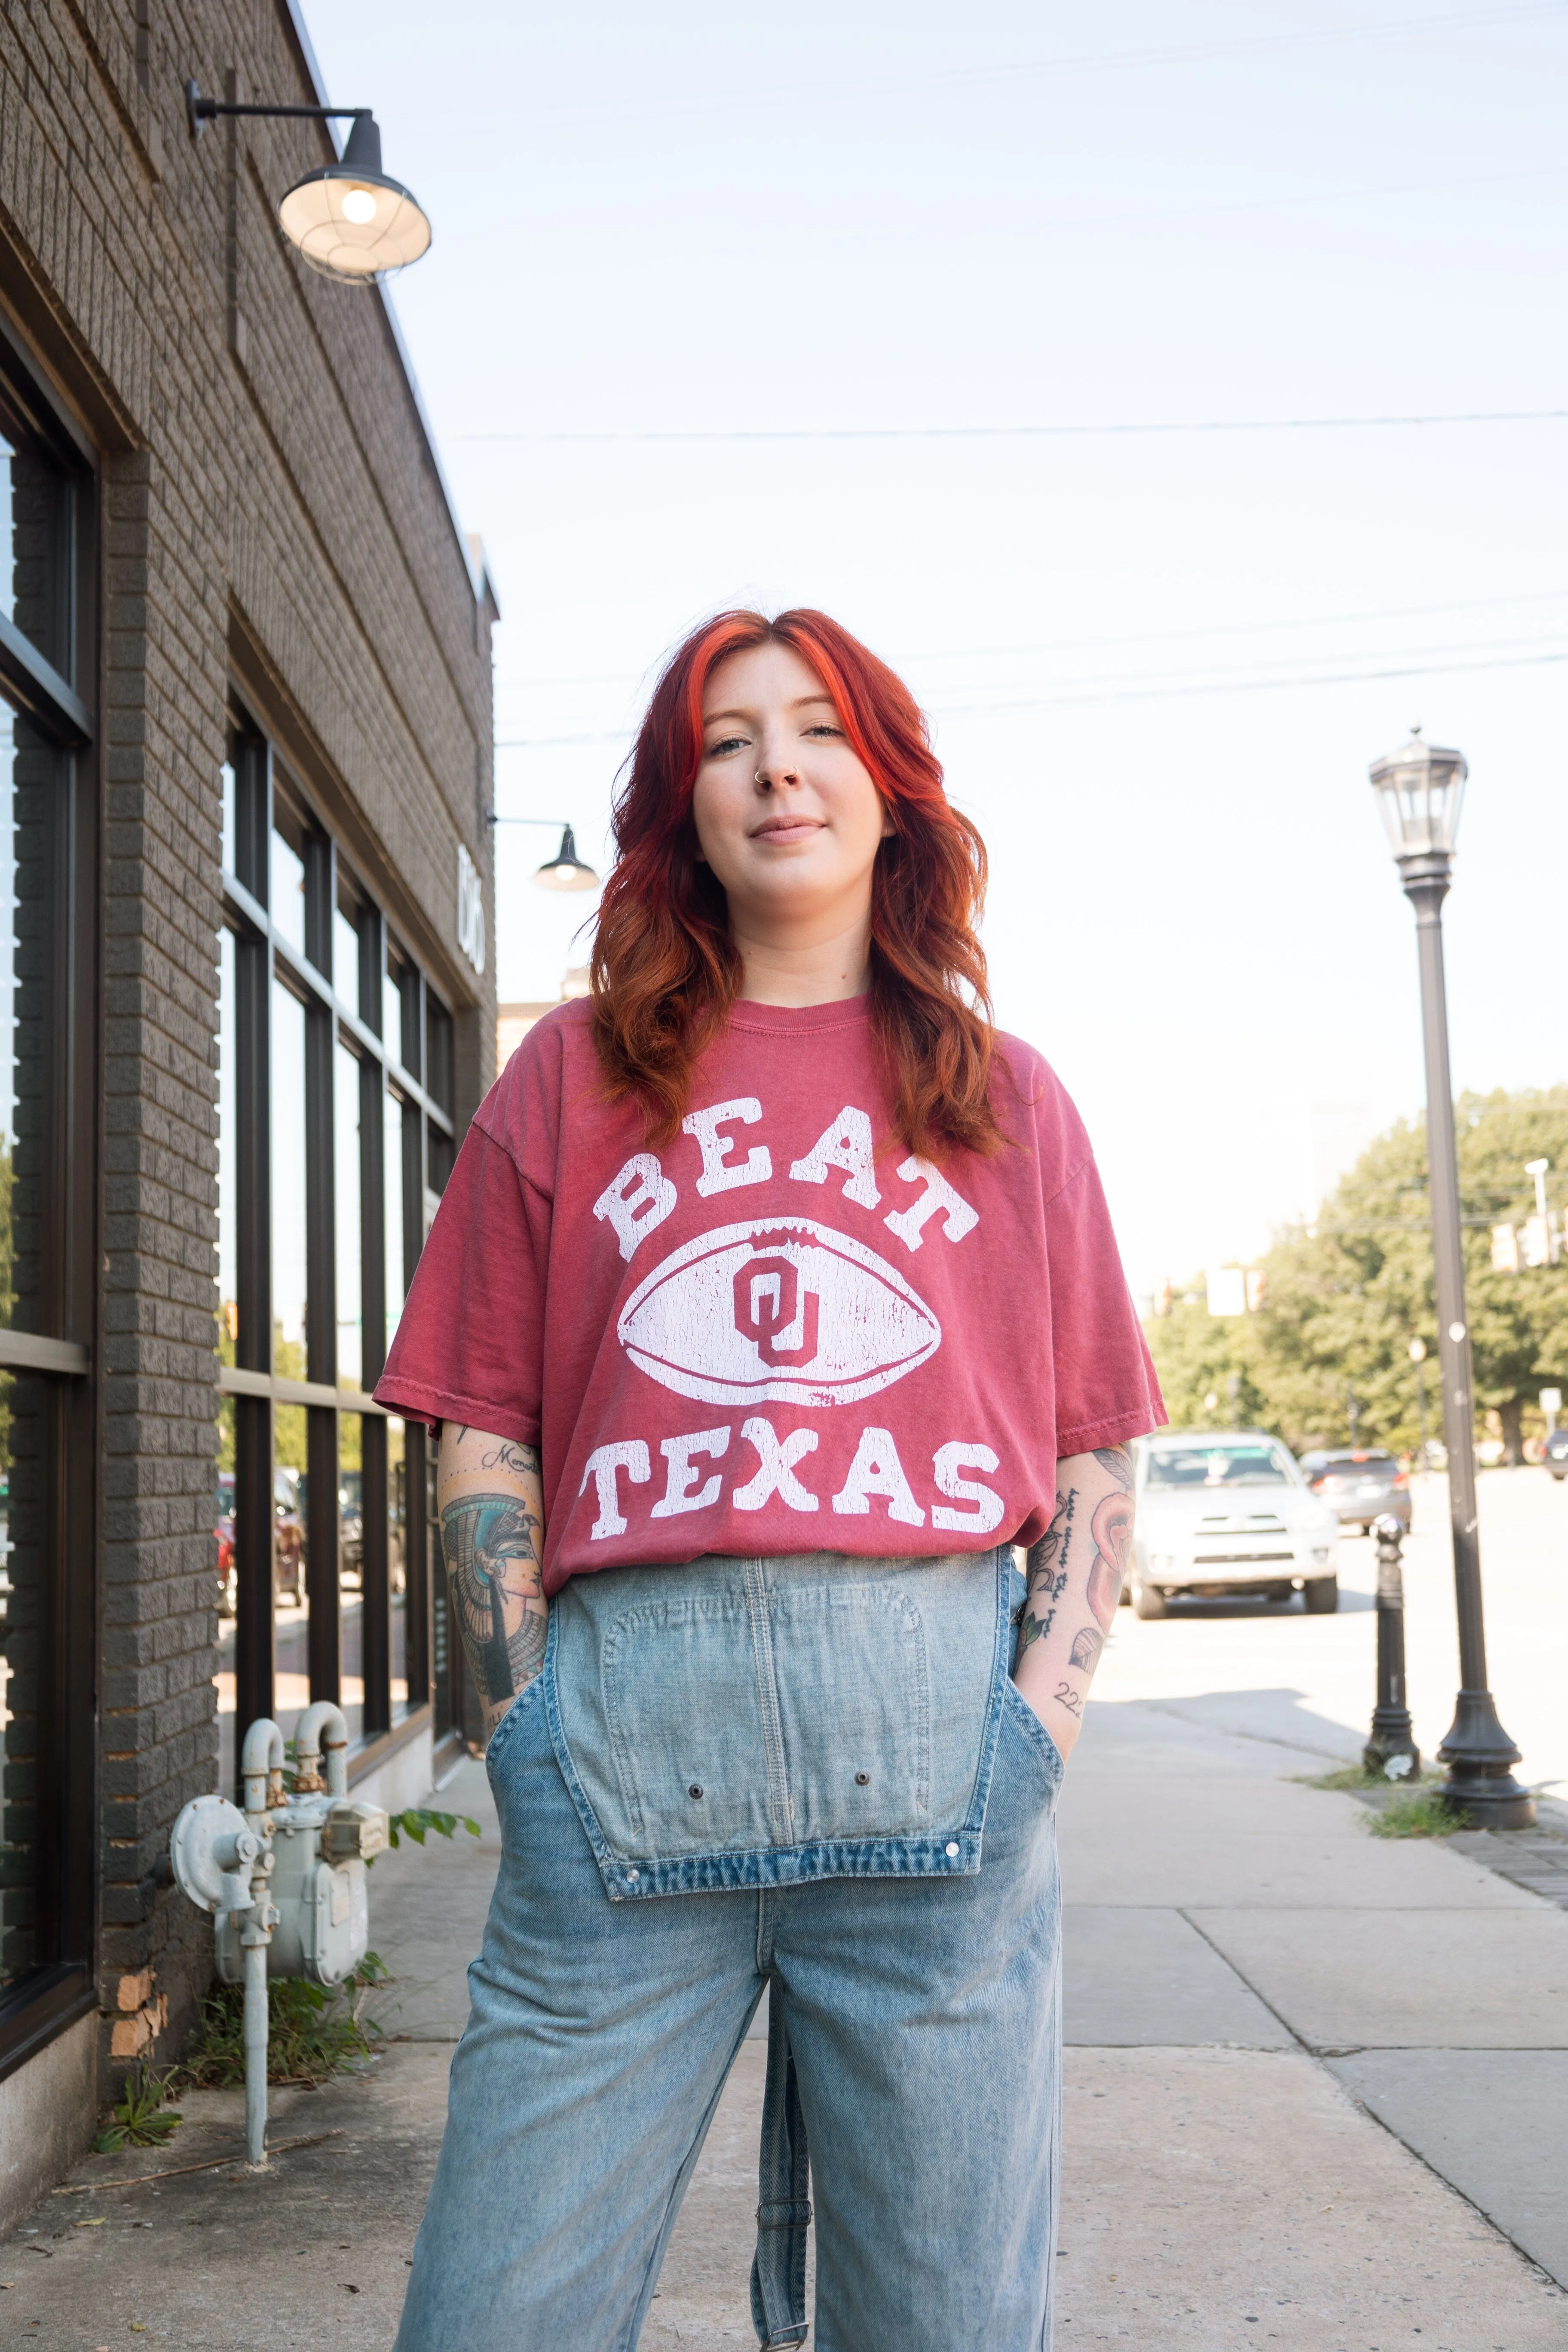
x: 726, y: 743
x: 823, y: 728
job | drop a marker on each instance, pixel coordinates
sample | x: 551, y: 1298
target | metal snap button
x: 633, y: 1876
x: 695, y: 1790
x: 862, y: 1779
x: 952, y: 1847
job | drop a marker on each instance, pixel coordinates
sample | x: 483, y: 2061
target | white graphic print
x: 717, y: 1175
x: 876, y: 1470
x: 641, y: 1197
x: 779, y: 1309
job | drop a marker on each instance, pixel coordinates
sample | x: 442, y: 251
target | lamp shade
x: 348, y: 220
x: 1419, y: 790
x: 566, y: 870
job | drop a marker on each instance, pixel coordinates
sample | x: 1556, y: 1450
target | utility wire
x: 1029, y: 432
x: 1126, y: 694
x: 822, y: 89
x: 1132, y: 636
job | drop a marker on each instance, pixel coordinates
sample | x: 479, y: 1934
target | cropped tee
x: 783, y: 1331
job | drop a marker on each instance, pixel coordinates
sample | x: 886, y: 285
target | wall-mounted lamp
x: 565, y: 870
x: 348, y: 220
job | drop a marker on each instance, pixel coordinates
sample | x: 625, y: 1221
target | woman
x: 772, y: 1302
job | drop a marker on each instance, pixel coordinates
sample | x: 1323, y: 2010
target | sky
x: 1157, y: 663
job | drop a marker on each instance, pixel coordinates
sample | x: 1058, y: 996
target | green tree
x: 1347, y: 1294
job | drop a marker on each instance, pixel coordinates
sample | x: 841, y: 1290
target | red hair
x: 665, y: 968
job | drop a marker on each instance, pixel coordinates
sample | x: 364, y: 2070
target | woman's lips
x: 792, y: 829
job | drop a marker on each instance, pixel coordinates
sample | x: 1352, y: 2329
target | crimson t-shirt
x: 780, y: 1332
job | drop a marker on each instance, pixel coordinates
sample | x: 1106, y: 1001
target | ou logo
x: 781, y: 1309
x: 767, y: 1301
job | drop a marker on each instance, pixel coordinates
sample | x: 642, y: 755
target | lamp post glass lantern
x: 1419, y: 790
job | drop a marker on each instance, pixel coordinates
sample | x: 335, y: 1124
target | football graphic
x: 781, y: 1307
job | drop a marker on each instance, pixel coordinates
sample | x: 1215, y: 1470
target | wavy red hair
x: 665, y: 968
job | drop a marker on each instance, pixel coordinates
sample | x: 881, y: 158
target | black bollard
x: 1390, y: 1728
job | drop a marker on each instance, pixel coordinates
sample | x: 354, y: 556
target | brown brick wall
x: 267, y: 498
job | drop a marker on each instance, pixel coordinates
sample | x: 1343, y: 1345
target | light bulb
x: 359, y: 206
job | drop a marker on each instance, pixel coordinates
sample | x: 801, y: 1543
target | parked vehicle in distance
x: 1556, y: 1454
x: 227, y: 1576
x: 1228, y: 1516
x: 351, y: 1528
x: 1362, y: 1483
x: 288, y: 1537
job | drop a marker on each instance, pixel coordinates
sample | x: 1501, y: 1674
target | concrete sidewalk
x: 1317, y: 2095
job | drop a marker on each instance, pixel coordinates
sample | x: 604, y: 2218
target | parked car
x: 227, y: 1576
x: 351, y: 1528
x: 1228, y: 1516
x: 1556, y: 1455
x: 288, y: 1536
x: 1362, y: 1484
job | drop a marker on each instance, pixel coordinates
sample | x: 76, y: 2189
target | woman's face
x: 785, y: 815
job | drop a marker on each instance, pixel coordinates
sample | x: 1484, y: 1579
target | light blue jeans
x: 812, y: 1775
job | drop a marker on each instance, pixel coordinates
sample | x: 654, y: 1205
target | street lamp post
x: 1419, y: 790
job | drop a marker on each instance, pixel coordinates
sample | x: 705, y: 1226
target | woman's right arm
x: 492, y: 1501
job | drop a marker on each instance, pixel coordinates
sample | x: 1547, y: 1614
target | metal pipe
x: 1477, y: 1751
x: 261, y: 1768
x: 256, y: 1940
x: 321, y: 1729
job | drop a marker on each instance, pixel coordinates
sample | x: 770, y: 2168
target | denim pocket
x: 1047, y: 1756
x: 694, y: 1766
x: 505, y: 1730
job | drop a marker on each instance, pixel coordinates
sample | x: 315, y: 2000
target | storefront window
x: 346, y: 955
x: 48, y: 831
x: 351, y: 1570
x: 291, y: 1281
x: 349, y: 1272
x: 397, y: 1562
x: 228, y: 1593
x: 323, y: 1497
x: 287, y: 891
x: 397, y: 1286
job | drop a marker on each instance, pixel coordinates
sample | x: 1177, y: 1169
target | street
x: 1278, y: 1674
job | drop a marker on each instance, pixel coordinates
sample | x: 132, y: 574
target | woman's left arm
x: 1075, y: 1583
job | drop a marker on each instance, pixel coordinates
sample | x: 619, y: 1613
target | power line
x: 822, y: 90
x: 1027, y: 432
x: 1126, y: 694
x: 1127, y: 637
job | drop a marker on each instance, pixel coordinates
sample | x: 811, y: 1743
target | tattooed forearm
x: 1074, y: 1583
x: 1047, y: 1572
x: 1087, y: 1646
x: 492, y: 1533
x: 520, y: 1460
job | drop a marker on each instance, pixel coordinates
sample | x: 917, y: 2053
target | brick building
x: 244, y: 1012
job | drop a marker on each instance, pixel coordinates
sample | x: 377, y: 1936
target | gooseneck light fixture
x: 1419, y: 788
x: 565, y: 870
x: 348, y: 220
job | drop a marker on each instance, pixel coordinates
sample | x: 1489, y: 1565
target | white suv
x: 1229, y: 1517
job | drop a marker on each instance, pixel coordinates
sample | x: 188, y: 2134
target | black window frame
x: 57, y: 700
x: 265, y: 955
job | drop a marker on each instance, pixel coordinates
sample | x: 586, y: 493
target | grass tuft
x: 142, y: 2118
x: 1423, y: 1813
x: 313, y: 2030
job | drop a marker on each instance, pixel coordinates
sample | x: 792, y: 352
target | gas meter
x: 286, y: 1878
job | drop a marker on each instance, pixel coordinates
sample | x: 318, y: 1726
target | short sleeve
x: 469, y: 1347
x: 1106, y: 1388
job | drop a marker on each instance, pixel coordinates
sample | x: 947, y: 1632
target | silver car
x: 1229, y: 1517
